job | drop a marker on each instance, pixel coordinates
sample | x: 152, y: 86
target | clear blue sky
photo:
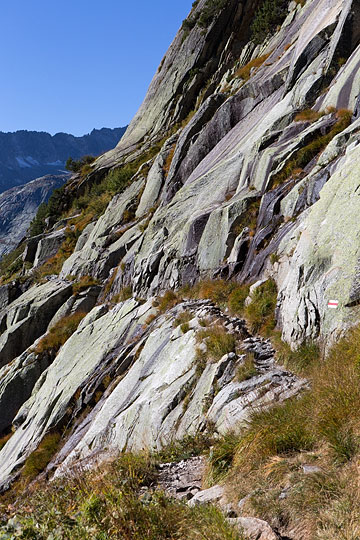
x: 72, y: 65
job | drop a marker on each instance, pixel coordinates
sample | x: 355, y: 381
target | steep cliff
x: 232, y: 195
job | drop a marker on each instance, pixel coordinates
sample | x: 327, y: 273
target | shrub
x: 270, y: 14
x: 211, y: 9
x: 204, y: 19
x: 82, y: 164
x: 59, y: 333
x: 50, y: 211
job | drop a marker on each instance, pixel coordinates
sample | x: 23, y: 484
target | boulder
x: 253, y: 528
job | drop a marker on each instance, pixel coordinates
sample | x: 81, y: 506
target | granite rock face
x: 250, y: 172
x: 156, y: 394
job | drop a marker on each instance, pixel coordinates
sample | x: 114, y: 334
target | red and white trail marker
x: 333, y: 304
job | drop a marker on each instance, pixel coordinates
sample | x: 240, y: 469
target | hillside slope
x: 227, y: 214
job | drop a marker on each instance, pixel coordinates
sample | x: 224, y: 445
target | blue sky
x: 72, y: 65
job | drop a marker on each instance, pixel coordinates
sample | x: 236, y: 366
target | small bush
x: 80, y: 165
x: 269, y: 15
x: 59, y: 333
x: 50, y: 211
x: 210, y: 11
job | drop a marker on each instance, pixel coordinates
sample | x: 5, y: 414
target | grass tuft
x: 218, y: 341
x: 59, y: 333
x: 260, y: 312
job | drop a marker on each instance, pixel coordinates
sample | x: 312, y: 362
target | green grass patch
x: 247, y: 369
x: 260, y: 313
x: 41, y: 457
x: 217, y: 340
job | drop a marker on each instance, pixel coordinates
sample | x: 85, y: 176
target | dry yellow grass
x: 244, y: 71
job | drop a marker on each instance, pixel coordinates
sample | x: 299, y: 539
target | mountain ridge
x: 26, y: 155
